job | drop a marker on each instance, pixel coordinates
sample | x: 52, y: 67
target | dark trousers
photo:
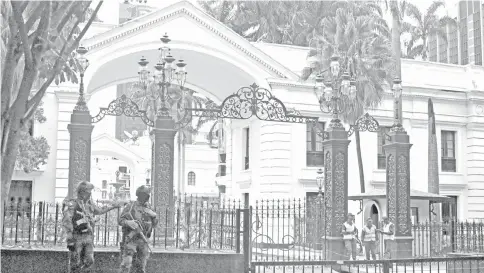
x: 370, y: 247
x: 82, y: 258
x: 350, y: 247
x: 141, y: 249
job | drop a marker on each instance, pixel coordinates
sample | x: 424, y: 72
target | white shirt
x: 370, y: 233
x: 386, y: 228
x: 349, y: 228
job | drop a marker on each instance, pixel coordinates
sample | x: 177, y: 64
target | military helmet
x: 143, y: 189
x: 85, y: 186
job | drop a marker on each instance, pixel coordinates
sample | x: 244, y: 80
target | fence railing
x: 280, y: 230
x: 293, y: 230
x: 187, y: 225
x: 419, y: 265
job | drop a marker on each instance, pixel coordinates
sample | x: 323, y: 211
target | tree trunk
x: 360, y: 161
x: 11, y: 150
x: 179, y: 147
x: 396, y: 46
x: 397, y: 50
x: 184, y: 145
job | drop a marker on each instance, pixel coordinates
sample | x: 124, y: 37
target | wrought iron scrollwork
x: 252, y: 101
x: 364, y: 123
x: 323, y: 134
x: 123, y: 106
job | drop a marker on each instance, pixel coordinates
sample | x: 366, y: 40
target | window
x: 105, y: 184
x: 246, y: 142
x: 222, y: 168
x: 314, y: 145
x: 104, y: 194
x: 449, y: 210
x: 448, y: 151
x: 382, y: 138
x: 191, y: 179
x: 414, y: 215
x: 20, y: 195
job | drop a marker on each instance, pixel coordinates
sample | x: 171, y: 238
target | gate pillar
x: 162, y: 162
x: 80, y: 130
x: 335, y: 189
x: 398, y: 190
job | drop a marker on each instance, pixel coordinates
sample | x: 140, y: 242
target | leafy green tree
x: 32, y: 151
x: 177, y: 101
x: 37, y: 41
x: 426, y: 25
x: 359, y: 35
x: 281, y: 22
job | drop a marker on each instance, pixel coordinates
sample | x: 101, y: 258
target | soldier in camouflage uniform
x: 78, y: 222
x: 137, y: 221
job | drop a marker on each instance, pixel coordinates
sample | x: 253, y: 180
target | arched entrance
x: 375, y: 215
x: 372, y: 210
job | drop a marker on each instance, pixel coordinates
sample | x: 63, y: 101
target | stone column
x: 80, y: 130
x: 335, y: 189
x: 398, y: 190
x: 162, y: 162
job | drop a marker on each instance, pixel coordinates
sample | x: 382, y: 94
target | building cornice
x: 66, y: 96
x: 410, y: 92
x: 185, y: 8
x: 452, y: 187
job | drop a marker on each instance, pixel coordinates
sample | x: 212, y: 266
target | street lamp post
x: 397, y: 153
x: 336, y: 91
x: 80, y: 129
x: 156, y: 90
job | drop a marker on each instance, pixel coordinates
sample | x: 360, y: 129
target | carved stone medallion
x: 402, y: 194
x: 80, y: 161
x: 391, y: 188
x: 339, y: 191
x: 164, y: 175
x: 328, y: 192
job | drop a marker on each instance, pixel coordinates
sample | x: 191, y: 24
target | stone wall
x: 107, y: 261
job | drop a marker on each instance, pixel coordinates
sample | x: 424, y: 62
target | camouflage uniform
x: 78, y: 222
x: 135, y: 240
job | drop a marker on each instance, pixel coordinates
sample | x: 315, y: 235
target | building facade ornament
x: 187, y: 9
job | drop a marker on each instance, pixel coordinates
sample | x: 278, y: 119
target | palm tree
x: 357, y: 32
x: 427, y: 25
x: 178, y: 101
x: 281, y: 22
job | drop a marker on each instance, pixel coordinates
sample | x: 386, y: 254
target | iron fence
x: 278, y: 230
x: 419, y: 265
x: 293, y: 230
x: 189, y: 225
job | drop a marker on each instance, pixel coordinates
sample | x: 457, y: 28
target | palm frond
x: 434, y: 7
x: 413, y: 12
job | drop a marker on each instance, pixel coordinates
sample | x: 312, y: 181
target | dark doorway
x: 246, y: 200
x: 375, y: 215
x: 449, y: 210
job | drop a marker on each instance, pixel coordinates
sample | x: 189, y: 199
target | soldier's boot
x: 126, y: 264
x: 88, y: 262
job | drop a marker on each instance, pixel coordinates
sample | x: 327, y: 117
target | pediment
x: 184, y: 21
x: 106, y: 144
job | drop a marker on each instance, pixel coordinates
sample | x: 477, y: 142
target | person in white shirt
x: 369, y: 238
x: 388, y: 237
x: 350, y: 233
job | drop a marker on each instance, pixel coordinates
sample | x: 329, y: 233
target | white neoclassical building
x: 263, y: 159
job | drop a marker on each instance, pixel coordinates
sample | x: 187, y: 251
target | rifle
x: 133, y: 232
x: 143, y: 237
